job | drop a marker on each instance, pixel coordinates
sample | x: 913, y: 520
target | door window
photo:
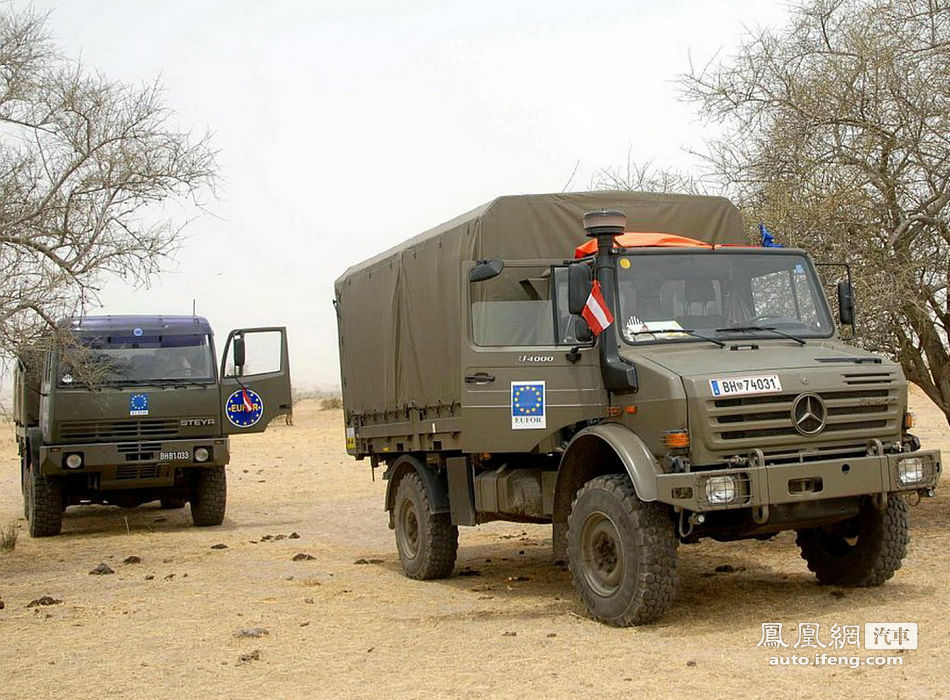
x: 515, y: 308
x: 262, y: 354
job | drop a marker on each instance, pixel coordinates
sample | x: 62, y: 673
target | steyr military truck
x: 716, y: 401
x: 129, y: 409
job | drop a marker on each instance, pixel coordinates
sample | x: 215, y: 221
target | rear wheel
x: 427, y: 541
x: 862, y: 551
x: 622, y: 553
x: 209, y: 496
x: 43, y: 502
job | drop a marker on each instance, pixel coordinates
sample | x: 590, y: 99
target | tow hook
x: 686, y: 525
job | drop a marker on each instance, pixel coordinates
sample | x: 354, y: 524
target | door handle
x: 479, y: 378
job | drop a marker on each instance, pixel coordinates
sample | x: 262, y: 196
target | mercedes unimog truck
x: 129, y: 409
x: 655, y: 383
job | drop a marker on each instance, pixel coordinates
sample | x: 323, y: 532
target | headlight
x: 910, y: 470
x: 721, y: 489
x: 202, y: 454
x: 74, y: 460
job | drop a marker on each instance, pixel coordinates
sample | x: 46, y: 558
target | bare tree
x: 87, y: 165
x: 638, y: 176
x: 837, y: 133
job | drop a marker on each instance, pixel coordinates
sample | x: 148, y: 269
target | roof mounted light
x: 608, y: 222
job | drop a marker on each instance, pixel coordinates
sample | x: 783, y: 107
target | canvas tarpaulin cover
x: 399, y: 313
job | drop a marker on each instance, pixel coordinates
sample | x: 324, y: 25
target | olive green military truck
x: 655, y: 383
x: 129, y: 409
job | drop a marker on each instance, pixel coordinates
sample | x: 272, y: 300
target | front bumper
x: 134, y: 464
x: 796, y: 483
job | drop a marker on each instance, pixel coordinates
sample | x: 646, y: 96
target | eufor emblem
x: 244, y: 408
x: 527, y: 406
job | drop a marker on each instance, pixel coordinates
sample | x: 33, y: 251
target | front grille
x: 142, y: 471
x: 118, y: 430
x: 880, y: 378
x: 765, y: 420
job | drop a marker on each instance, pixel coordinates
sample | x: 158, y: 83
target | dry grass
x: 8, y: 536
x: 331, y: 403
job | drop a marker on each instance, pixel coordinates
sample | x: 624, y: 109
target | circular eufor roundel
x: 244, y: 408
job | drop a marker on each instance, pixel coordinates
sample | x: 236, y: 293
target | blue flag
x: 767, y: 240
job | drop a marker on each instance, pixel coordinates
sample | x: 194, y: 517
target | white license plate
x: 738, y: 386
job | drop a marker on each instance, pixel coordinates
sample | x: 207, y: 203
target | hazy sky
x: 346, y: 127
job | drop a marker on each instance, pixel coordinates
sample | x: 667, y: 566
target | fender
x: 436, y: 484
x: 34, y: 438
x: 629, y: 449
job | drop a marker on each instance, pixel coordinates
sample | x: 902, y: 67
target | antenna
x: 194, y: 303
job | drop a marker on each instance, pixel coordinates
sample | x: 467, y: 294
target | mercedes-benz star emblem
x: 809, y: 414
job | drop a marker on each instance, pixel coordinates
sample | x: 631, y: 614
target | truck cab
x: 124, y: 410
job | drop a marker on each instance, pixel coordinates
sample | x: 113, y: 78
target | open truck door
x: 255, y: 379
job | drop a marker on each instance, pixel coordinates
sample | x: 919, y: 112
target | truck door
x: 255, y: 379
x: 520, y: 382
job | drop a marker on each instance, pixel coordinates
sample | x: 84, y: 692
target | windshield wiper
x: 770, y: 329
x: 687, y: 331
x: 134, y: 382
x: 693, y: 333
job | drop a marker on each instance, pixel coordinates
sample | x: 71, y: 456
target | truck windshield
x: 137, y: 360
x: 719, y: 293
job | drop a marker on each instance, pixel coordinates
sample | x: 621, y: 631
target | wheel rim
x: 602, y: 554
x: 408, y: 529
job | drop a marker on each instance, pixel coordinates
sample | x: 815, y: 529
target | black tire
x: 862, y: 551
x: 43, y: 503
x: 209, y: 496
x: 622, y: 553
x: 172, y: 502
x: 427, y: 541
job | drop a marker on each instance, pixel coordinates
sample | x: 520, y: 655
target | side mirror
x: 845, y: 303
x: 240, y: 355
x: 579, y: 282
x: 485, y: 270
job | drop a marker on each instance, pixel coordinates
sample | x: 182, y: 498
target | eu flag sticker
x: 527, y: 406
x: 138, y: 405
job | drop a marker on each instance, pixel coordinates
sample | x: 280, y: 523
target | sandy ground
x: 347, y: 623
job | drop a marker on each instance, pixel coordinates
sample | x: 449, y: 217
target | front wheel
x: 427, y: 541
x: 862, y: 551
x: 622, y: 553
x: 43, y: 502
x: 209, y: 496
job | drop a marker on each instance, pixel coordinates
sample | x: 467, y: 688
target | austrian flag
x: 595, y: 311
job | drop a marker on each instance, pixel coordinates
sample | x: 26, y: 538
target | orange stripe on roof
x: 633, y: 239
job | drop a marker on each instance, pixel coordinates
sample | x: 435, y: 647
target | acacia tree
x: 836, y: 132
x: 85, y: 162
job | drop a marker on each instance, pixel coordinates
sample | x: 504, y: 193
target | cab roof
x: 150, y: 325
